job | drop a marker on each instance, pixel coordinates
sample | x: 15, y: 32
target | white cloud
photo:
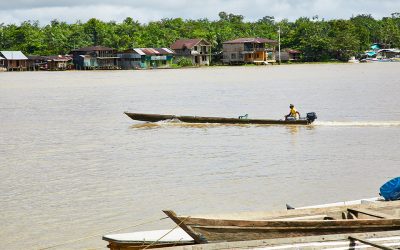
x: 16, y: 11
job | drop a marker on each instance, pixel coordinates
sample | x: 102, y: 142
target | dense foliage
x: 320, y: 40
x: 184, y: 62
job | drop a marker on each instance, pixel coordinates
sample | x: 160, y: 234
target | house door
x: 196, y: 59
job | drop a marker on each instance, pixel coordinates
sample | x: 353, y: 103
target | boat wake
x: 358, y: 123
x: 178, y: 123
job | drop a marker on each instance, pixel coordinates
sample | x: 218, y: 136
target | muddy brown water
x: 73, y: 165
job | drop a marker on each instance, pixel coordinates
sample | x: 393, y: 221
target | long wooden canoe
x: 388, y: 240
x: 177, y: 237
x: 373, y: 217
x: 223, y: 120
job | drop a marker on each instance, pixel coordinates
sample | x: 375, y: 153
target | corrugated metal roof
x: 13, y: 55
x: 93, y: 48
x: 293, y: 51
x: 165, y: 51
x: 140, y: 52
x: 252, y: 40
x: 169, y: 50
x: 150, y: 51
x: 187, y: 43
x: 154, y: 51
x: 59, y: 58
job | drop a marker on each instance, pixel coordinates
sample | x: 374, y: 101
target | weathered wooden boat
x: 177, y: 237
x: 371, y: 217
x: 310, y: 118
x: 388, y: 240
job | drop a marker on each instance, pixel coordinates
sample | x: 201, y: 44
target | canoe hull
x: 360, y: 218
x: 203, y: 119
x: 237, y: 233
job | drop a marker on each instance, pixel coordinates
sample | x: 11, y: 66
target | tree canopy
x: 318, y: 39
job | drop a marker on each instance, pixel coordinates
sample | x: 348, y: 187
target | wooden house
x: 36, y: 63
x: 249, y: 50
x: 198, y: 50
x: 2, y: 60
x: 94, y: 57
x: 290, y: 55
x: 145, y: 58
x: 14, y: 60
x: 59, y: 62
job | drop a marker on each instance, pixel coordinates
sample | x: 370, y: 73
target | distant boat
x: 201, y: 119
x: 353, y: 60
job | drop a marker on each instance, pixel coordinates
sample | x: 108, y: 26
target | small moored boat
x: 177, y: 237
x: 204, y: 119
x: 370, y: 217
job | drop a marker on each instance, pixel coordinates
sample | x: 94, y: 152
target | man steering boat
x: 293, y: 113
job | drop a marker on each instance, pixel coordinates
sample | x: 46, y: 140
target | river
x: 74, y: 167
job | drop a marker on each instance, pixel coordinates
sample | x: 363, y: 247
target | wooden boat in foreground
x: 388, y: 240
x: 371, y: 217
x: 177, y: 237
x: 202, y: 119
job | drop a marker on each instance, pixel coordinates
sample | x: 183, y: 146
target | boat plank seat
x: 372, y: 213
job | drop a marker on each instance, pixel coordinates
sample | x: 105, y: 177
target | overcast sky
x: 16, y: 11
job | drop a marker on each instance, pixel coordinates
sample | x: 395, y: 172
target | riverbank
x: 193, y: 67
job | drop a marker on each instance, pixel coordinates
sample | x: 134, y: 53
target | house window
x: 204, y: 58
x: 233, y: 56
x: 195, y: 48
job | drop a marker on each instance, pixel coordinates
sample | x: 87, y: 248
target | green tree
x: 344, y: 39
x: 318, y: 39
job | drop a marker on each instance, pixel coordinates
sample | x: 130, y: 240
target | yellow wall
x: 257, y: 56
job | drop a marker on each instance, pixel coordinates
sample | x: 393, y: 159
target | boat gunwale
x: 292, y: 223
x: 290, y: 242
x: 276, y: 214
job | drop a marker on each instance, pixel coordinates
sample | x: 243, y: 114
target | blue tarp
x: 370, y: 53
x: 391, y: 189
x: 375, y: 46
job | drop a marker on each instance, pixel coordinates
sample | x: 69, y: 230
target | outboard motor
x: 311, y: 117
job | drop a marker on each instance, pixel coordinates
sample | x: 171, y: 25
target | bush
x: 184, y: 62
